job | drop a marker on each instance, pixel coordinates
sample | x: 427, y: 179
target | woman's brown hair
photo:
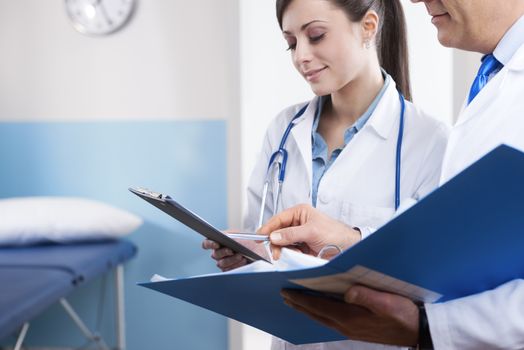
x: 391, y: 40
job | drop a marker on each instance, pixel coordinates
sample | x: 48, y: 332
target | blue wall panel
x: 100, y: 160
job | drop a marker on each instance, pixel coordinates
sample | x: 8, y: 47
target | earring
x: 367, y: 44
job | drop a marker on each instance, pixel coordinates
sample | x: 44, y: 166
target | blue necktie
x: 488, y: 66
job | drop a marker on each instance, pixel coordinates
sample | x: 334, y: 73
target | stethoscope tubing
x: 398, y: 157
x: 282, y: 152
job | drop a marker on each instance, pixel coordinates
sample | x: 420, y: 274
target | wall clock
x: 99, y: 17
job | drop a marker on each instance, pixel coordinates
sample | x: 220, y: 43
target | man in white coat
x: 493, y: 114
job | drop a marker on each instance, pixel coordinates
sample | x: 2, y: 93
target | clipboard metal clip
x: 149, y: 193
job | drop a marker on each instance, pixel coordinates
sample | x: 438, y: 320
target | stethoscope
x: 278, y: 161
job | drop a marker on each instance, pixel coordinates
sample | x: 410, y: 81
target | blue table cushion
x: 35, y: 277
x: 25, y: 292
x: 83, y: 261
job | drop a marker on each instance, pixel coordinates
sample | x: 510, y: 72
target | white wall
x: 175, y: 59
x: 465, y: 67
x: 431, y: 65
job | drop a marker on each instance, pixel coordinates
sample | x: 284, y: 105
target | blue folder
x: 464, y: 238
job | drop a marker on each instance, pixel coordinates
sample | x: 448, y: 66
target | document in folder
x: 464, y: 238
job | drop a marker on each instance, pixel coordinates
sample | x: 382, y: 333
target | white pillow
x: 31, y: 220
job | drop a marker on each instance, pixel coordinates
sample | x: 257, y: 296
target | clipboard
x: 193, y: 221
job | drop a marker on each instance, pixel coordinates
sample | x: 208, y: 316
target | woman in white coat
x: 342, y: 150
x: 493, y: 114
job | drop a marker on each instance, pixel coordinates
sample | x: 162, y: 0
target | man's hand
x: 308, y: 229
x: 367, y: 315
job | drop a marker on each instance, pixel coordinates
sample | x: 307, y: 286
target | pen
x: 248, y: 236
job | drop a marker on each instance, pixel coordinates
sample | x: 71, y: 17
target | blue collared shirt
x: 321, y: 163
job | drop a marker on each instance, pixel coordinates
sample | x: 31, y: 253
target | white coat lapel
x: 378, y: 128
x: 517, y: 62
x: 493, y: 88
x: 302, y: 136
x: 488, y: 93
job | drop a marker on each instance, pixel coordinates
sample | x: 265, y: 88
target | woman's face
x: 327, y: 48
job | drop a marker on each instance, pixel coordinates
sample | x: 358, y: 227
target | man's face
x: 465, y: 24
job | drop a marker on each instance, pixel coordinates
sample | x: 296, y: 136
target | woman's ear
x: 369, y: 25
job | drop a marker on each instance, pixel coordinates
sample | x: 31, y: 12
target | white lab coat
x: 359, y: 188
x: 493, y: 319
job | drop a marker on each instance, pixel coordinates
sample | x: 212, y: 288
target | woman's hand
x: 225, y: 258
